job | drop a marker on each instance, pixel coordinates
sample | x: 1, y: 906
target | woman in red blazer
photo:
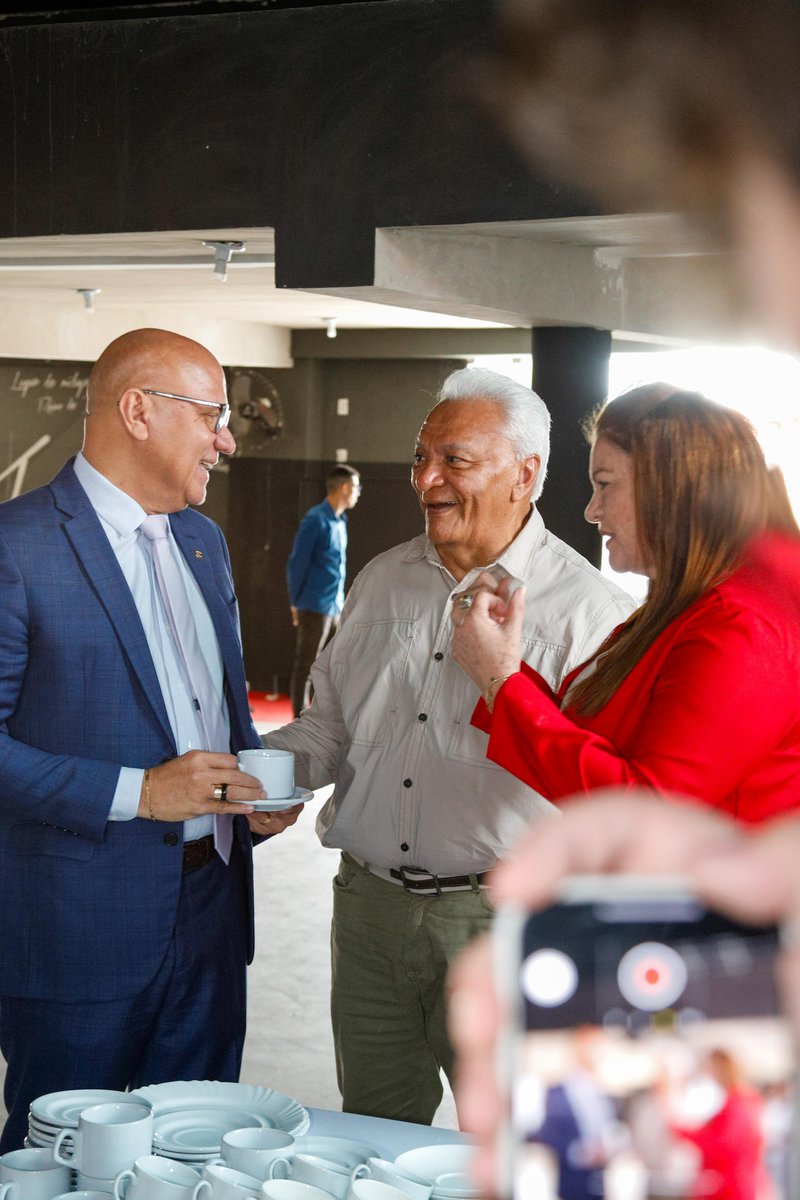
x: 698, y: 693
x: 731, y: 1142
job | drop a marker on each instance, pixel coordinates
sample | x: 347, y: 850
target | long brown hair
x: 702, y: 489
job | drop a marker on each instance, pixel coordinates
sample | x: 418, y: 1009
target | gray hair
x: 526, y: 421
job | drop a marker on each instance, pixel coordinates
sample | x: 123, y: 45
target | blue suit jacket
x: 560, y: 1131
x: 89, y: 905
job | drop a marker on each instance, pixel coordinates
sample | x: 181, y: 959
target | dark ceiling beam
x: 320, y: 122
x: 33, y: 14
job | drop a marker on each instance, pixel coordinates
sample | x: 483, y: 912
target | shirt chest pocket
x: 369, y: 676
x: 469, y: 744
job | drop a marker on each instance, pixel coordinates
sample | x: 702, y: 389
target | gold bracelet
x: 147, y: 794
x: 495, y: 682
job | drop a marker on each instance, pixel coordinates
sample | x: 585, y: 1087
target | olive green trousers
x: 390, y: 951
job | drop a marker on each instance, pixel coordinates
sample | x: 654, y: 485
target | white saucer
x: 300, y: 796
x: 258, y: 1105
x: 200, y: 1131
x: 61, y: 1109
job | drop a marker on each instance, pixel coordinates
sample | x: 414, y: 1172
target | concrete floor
x: 289, y: 1045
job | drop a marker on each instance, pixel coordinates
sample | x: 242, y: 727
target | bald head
x: 144, y: 358
x: 137, y: 432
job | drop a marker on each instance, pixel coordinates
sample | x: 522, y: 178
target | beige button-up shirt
x: 390, y: 720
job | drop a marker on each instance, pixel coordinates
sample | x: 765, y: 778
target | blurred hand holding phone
x: 645, y: 1054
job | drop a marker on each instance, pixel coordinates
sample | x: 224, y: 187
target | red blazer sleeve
x: 722, y: 699
x: 482, y: 718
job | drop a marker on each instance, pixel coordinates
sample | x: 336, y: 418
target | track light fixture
x: 88, y: 297
x: 223, y: 252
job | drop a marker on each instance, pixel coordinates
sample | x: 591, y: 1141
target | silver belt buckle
x: 414, y: 881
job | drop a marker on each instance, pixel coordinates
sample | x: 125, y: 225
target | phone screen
x: 651, y: 1059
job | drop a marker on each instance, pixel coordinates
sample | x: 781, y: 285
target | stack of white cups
x: 108, y: 1139
x: 304, y: 1169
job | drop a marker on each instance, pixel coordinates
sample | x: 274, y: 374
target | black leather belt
x: 422, y: 883
x: 197, y: 854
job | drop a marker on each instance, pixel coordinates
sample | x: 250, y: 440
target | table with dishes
x: 205, y: 1140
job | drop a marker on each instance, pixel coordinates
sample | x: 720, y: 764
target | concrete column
x: 570, y: 373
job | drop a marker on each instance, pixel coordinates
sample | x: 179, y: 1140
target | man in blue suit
x: 579, y: 1122
x: 125, y: 933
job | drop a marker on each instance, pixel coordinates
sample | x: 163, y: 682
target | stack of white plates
x: 50, y: 1114
x: 190, y: 1119
x: 445, y: 1168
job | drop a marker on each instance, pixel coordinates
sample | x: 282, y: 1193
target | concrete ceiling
x: 645, y: 275
x: 168, y: 279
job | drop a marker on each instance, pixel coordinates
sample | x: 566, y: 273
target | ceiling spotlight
x: 330, y: 322
x: 88, y: 297
x: 223, y: 252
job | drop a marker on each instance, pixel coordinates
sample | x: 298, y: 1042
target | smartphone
x: 645, y: 1053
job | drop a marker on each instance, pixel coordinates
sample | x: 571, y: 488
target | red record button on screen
x: 652, y: 976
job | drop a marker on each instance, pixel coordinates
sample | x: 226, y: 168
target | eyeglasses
x: 224, y: 410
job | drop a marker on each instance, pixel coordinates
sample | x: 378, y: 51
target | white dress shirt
x: 390, y: 719
x: 121, y: 515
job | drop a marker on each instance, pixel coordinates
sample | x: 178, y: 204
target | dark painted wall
x: 42, y: 406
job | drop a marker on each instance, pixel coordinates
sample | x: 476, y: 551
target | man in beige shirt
x: 418, y: 810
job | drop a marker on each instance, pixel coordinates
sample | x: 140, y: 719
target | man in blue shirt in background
x: 316, y: 572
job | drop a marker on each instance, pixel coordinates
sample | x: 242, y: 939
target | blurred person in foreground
x: 686, y: 106
x: 696, y: 693
x: 672, y: 105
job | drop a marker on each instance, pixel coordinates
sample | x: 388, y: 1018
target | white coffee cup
x: 109, y: 1138
x: 275, y: 769
x: 385, y: 1172
x: 32, y: 1174
x: 155, y: 1178
x: 371, y: 1189
x: 219, y: 1182
x: 332, y: 1177
x: 254, y: 1150
x: 291, y: 1189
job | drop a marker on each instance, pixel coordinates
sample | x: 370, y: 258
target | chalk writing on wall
x: 42, y: 405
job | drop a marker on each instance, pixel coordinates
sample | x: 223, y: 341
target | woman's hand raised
x: 487, y: 639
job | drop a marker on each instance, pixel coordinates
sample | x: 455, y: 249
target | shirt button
x: 404, y: 846
x: 438, y: 656
x: 423, y: 717
x: 170, y: 839
x: 406, y: 783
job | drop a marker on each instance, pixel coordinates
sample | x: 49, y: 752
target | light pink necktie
x: 195, y: 668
